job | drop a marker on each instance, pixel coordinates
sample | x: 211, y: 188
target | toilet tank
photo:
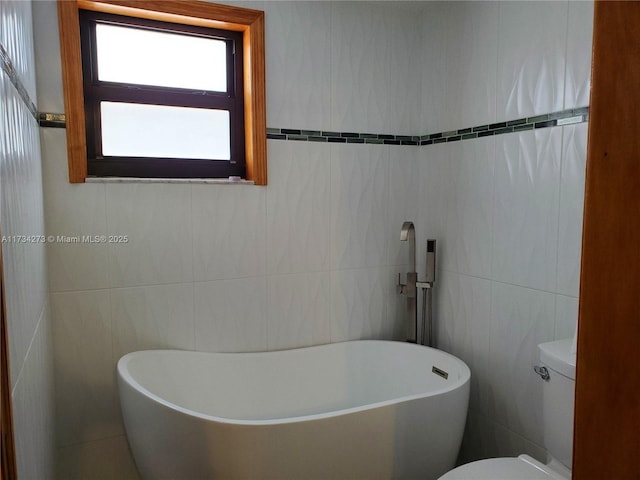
x: 558, y: 398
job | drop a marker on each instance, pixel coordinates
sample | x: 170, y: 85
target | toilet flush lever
x: 543, y: 372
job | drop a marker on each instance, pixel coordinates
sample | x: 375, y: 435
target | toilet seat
x: 521, y: 468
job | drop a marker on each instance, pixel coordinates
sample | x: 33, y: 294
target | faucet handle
x: 401, y: 288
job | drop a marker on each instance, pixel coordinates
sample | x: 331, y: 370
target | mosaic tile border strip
x: 563, y: 117
x: 8, y: 68
x: 340, y: 137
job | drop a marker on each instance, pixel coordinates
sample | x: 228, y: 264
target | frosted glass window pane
x: 134, y: 130
x: 143, y: 57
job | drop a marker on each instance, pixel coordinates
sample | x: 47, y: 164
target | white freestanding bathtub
x: 354, y: 410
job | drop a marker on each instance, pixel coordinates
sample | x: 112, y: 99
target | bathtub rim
x: 126, y: 376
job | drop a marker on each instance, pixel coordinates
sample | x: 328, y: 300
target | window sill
x: 214, y: 181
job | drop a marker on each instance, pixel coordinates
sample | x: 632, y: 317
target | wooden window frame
x: 189, y: 12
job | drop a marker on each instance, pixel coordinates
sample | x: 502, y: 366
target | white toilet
x: 558, y: 360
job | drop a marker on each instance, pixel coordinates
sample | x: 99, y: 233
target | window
x: 169, y: 89
x: 161, y: 99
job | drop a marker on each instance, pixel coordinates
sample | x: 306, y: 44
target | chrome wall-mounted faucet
x: 410, y: 289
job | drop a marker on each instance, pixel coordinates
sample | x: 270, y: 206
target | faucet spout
x: 408, y: 233
x: 407, y: 230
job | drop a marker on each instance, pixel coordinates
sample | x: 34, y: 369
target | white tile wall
x: 478, y: 441
x: 298, y: 231
x: 49, y: 78
x: 465, y: 303
x: 299, y: 59
x: 298, y: 310
x: 358, y: 304
x: 16, y: 36
x: 21, y: 214
x: 359, y: 180
x: 495, y: 206
x: 574, y: 156
x: 33, y: 410
x: 526, y: 203
x: 154, y: 316
x: 470, y: 210
x: 395, y: 325
x: 436, y: 99
x: 566, y: 317
x: 579, y: 34
x: 24, y: 263
x: 521, y: 318
x: 531, y: 58
x: 365, y: 107
x: 84, y: 374
x: 507, y: 212
x: 433, y: 197
x: 484, y: 438
x: 160, y: 245
x: 231, y: 315
x: 513, y: 444
x: 472, y: 41
x: 71, y: 210
x: 403, y: 32
x: 229, y: 234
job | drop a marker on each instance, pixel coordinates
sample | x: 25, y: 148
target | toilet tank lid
x: 558, y: 357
